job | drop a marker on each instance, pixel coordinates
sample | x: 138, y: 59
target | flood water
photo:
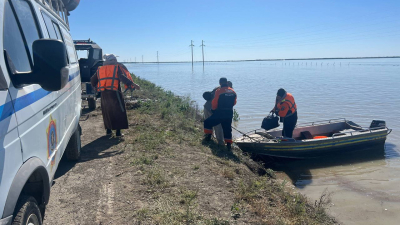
x: 364, y: 187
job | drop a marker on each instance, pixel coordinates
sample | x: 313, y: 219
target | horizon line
x: 250, y: 60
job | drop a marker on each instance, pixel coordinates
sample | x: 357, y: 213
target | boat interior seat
x: 306, y: 135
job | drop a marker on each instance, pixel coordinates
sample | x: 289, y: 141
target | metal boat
x: 315, y: 139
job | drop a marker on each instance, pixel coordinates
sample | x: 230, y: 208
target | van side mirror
x: 50, y: 66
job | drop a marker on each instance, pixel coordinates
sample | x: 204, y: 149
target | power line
x: 191, y: 45
x: 202, y: 51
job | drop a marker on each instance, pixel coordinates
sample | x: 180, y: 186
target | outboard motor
x: 377, y: 123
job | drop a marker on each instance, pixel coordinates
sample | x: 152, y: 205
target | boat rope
x: 245, y: 135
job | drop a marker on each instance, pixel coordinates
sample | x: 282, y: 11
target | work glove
x: 129, y: 89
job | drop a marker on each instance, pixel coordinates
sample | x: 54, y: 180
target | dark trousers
x: 288, y: 125
x: 223, y: 117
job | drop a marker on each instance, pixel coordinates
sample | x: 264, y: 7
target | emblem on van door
x: 51, y: 140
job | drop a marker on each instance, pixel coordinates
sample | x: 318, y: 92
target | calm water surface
x: 365, y: 187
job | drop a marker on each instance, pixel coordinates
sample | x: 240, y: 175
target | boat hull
x: 316, y: 148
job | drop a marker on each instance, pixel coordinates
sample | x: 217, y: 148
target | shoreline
x: 266, y: 60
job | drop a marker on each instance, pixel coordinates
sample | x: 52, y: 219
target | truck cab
x: 90, y: 58
x: 40, y: 104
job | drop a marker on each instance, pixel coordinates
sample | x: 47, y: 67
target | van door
x: 70, y: 106
x: 42, y: 124
x: 10, y: 147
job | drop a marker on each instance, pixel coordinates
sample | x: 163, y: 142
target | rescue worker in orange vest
x: 209, y: 96
x: 107, y: 81
x: 222, y: 108
x: 286, y: 108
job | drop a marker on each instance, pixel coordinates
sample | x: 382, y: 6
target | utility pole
x: 142, y: 58
x: 157, y: 56
x: 191, y: 45
x: 202, y: 51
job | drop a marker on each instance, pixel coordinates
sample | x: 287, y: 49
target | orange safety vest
x: 224, y: 98
x: 108, y: 77
x: 287, y: 104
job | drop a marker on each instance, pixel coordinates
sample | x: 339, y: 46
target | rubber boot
x: 207, y: 137
x: 108, y: 132
x: 229, y: 146
x: 118, y: 133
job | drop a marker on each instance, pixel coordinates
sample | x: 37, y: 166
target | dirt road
x: 85, y: 192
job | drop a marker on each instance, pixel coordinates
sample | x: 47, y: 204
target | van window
x: 60, y: 37
x: 53, y: 29
x: 27, y: 22
x: 70, y: 45
x: 13, y: 42
x: 49, y: 26
x: 58, y: 32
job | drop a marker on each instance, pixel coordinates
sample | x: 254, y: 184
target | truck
x: 40, y: 104
x: 92, y: 56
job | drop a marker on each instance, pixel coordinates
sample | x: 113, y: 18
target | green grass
x: 236, y: 117
x: 156, y: 177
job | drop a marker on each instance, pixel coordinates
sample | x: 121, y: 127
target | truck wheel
x: 27, y: 212
x: 92, y: 103
x: 73, y: 150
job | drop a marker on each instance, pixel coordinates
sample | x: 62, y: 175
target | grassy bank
x: 184, y: 181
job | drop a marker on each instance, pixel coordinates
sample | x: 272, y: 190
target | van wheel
x: 73, y: 150
x: 27, y: 212
x: 92, y: 103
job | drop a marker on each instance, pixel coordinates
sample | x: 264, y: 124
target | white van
x: 40, y: 104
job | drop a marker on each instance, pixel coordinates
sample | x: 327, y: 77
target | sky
x: 239, y: 29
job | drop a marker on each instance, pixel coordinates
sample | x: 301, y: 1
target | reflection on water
x: 364, y: 184
x: 299, y: 171
x: 390, y: 150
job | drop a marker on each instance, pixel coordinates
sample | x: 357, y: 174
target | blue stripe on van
x: 6, y: 110
x: 72, y: 76
x: 30, y: 98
